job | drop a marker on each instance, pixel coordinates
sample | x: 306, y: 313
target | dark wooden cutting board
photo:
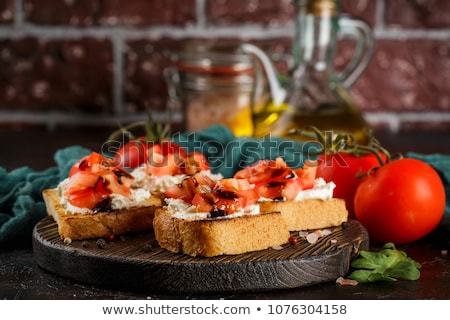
x: 136, y: 262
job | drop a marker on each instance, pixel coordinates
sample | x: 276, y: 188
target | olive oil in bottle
x: 315, y: 94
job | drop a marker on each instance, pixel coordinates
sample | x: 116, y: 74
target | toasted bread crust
x: 213, y: 237
x: 309, y: 214
x: 85, y: 226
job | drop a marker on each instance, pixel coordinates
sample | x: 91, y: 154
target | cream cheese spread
x: 160, y: 184
x: 182, y: 210
x: 322, y: 190
x: 154, y: 183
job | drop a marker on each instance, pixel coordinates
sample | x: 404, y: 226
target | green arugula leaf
x: 388, y: 264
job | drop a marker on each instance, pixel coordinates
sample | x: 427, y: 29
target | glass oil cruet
x: 315, y: 94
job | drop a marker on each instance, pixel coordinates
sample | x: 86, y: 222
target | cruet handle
x: 277, y: 92
x: 363, y: 33
x: 172, y: 79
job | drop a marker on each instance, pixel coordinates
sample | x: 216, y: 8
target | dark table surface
x: 22, y: 278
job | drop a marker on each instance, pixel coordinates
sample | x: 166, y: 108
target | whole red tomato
x: 345, y: 169
x: 401, y: 201
x: 132, y: 154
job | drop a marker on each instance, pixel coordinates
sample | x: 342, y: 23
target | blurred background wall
x: 96, y: 62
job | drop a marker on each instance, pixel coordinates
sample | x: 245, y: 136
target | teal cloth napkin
x: 22, y: 206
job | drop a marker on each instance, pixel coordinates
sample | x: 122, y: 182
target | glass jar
x: 214, y: 84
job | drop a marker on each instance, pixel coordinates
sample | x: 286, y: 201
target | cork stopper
x: 322, y: 7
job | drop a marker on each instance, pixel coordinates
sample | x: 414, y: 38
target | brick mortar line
x: 406, y: 34
x: 118, y: 74
x: 18, y: 13
x: 245, y: 31
x: 11, y: 32
x: 201, y: 13
x: 380, y: 10
x: 53, y: 119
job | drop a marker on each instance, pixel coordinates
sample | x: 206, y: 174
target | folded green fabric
x: 22, y: 206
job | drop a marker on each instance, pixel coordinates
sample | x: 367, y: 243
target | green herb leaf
x: 388, y: 264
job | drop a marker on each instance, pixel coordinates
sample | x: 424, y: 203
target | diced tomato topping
x: 161, y: 165
x: 269, y: 191
x: 307, y: 174
x: 280, y: 190
x: 203, y: 181
x: 273, y: 179
x: 203, y: 202
x: 234, y: 194
x: 87, y: 163
x: 223, y: 202
x: 81, y: 180
x: 168, y: 158
x: 196, y: 162
x: 249, y: 195
x: 113, y: 186
x: 101, y: 187
x: 85, y: 198
x: 186, y: 190
x: 93, y: 178
x: 224, y: 197
x: 228, y: 203
x: 232, y: 185
x: 265, y: 171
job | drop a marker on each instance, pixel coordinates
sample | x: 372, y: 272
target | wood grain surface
x: 136, y: 262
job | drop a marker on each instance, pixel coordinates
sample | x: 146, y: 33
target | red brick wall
x: 91, y: 62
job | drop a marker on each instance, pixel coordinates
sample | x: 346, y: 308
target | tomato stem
x: 154, y: 131
x: 333, y: 142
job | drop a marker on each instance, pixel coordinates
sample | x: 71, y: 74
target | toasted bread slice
x: 219, y: 236
x: 77, y: 226
x: 309, y: 214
